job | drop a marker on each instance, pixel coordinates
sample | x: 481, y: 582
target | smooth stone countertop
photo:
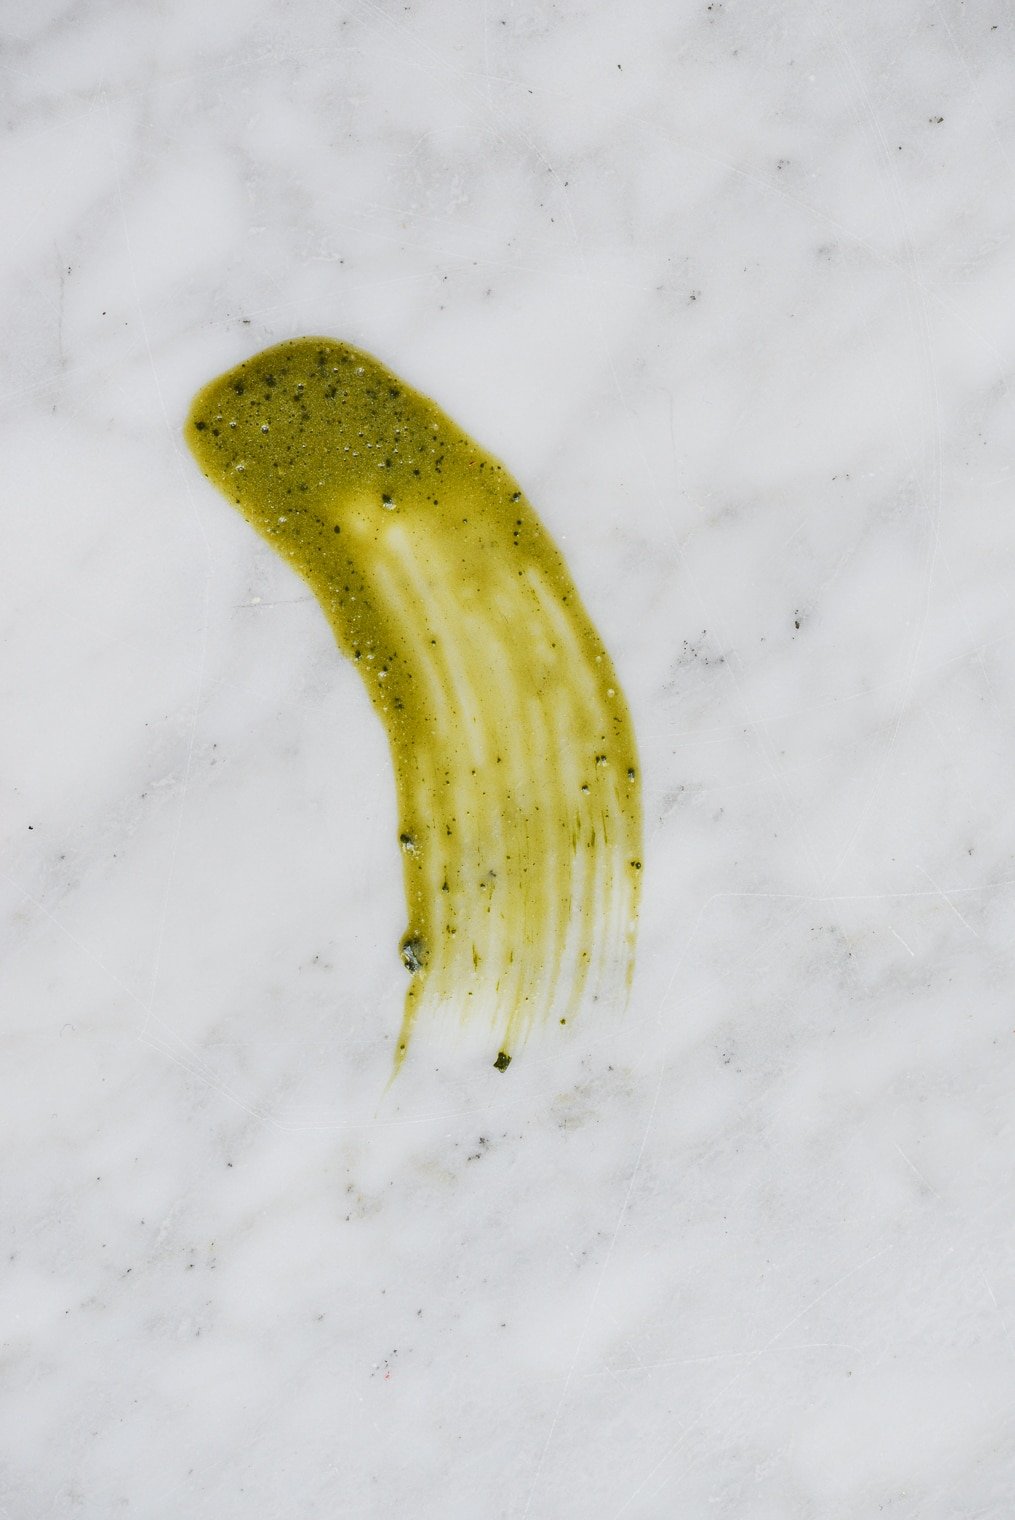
x: 730, y: 290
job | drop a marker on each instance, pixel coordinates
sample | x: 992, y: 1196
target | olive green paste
x: 514, y: 755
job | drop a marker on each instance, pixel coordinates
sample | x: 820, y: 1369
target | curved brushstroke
x: 514, y: 754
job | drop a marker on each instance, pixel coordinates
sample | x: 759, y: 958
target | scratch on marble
x: 737, y: 1378
x: 202, y: 655
x: 1000, y: 1312
x: 595, y: 1296
x: 892, y: 930
x: 945, y: 898
x: 914, y: 1168
x: 723, y: 1356
x: 916, y: 298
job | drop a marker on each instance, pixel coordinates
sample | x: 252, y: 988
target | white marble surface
x: 731, y: 289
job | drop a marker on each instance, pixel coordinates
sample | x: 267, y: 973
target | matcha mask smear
x: 514, y: 755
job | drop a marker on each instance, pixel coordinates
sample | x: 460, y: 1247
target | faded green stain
x: 513, y: 749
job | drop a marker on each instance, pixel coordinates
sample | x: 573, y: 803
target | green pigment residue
x: 514, y: 754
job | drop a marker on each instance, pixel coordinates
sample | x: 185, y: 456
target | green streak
x: 514, y: 753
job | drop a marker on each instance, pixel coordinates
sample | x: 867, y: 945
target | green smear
x: 514, y: 754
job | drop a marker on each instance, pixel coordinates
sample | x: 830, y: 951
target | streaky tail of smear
x: 537, y: 895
